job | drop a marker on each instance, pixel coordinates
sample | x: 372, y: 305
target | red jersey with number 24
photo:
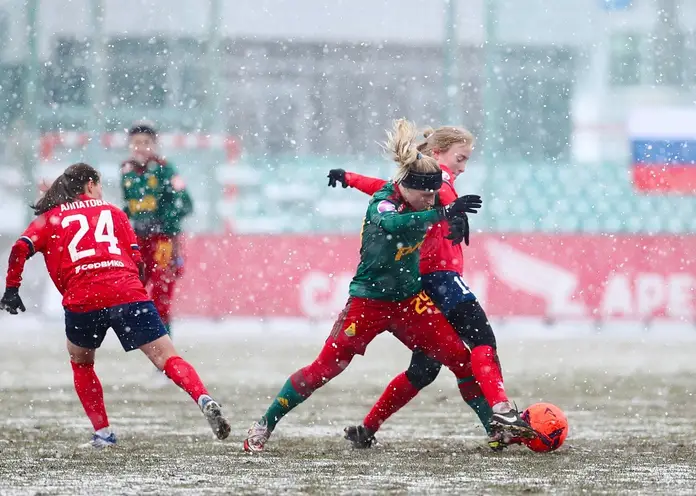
x: 90, y: 251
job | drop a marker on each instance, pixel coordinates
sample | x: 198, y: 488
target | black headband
x: 423, y: 181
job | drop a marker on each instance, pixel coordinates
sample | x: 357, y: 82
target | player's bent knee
x: 159, y: 351
x: 79, y: 354
x: 332, y: 360
x: 472, y: 325
x: 422, y: 371
x: 422, y: 378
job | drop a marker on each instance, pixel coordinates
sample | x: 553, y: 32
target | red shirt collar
x: 450, y: 175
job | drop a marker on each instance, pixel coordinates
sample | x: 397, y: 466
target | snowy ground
x: 628, y: 395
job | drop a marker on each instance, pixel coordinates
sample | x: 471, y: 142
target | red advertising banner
x: 561, y: 276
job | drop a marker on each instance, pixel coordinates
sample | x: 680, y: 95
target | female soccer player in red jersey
x: 384, y: 293
x: 441, y: 266
x: 92, y: 257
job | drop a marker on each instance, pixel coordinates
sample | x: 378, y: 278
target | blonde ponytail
x: 401, y: 145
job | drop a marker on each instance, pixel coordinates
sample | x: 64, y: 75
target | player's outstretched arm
x: 383, y: 214
x: 21, y: 251
x: 366, y: 184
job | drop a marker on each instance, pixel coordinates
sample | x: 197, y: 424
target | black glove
x: 337, y: 176
x: 141, y: 271
x: 11, y: 301
x: 467, y: 204
x: 459, y: 230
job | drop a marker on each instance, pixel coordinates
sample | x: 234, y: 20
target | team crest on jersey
x: 350, y: 330
x: 152, y: 182
x: 385, y: 206
x: 446, y: 177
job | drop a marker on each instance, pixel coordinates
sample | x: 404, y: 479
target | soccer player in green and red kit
x: 441, y: 264
x: 156, y: 202
x: 385, y: 293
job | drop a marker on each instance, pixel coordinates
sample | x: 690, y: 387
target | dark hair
x: 143, y: 129
x: 69, y: 185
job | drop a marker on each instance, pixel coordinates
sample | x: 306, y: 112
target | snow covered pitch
x: 628, y: 395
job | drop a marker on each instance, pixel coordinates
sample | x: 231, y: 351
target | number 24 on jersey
x: 103, y: 233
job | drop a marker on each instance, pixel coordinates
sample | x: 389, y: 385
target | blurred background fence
x: 258, y: 100
x: 547, y: 87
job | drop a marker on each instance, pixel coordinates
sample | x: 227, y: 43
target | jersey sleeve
x: 126, y: 167
x: 33, y: 239
x: 175, y: 186
x: 447, y: 195
x: 130, y: 239
x: 176, y: 202
x: 383, y: 214
x: 366, y: 184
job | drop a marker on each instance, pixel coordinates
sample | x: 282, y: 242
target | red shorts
x: 415, y: 322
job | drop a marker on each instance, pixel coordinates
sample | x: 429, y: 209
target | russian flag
x: 663, y: 149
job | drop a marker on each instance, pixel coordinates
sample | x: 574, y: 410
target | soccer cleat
x: 509, y: 422
x: 100, y: 442
x: 360, y: 436
x: 257, y: 437
x: 498, y: 441
x: 213, y: 414
x: 496, y: 444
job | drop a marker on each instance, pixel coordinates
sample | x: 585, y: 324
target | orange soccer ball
x: 550, y: 424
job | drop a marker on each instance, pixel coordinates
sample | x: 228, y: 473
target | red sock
x: 185, y: 376
x: 91, y: 394
x: 486, y: 368
x: 399, y: 392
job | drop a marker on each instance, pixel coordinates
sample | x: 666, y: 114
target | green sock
x: 287, y: 399
x: 480, y: 406
x: 483, y: 410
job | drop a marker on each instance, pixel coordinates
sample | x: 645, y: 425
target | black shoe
x: 360, y: 436
x: 511, y: 422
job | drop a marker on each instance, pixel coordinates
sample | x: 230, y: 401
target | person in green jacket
x: 385, y: 293
x: 156, y: 202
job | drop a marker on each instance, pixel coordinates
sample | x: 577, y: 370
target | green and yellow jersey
x: 156, y: 199
x: 391, y: 238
